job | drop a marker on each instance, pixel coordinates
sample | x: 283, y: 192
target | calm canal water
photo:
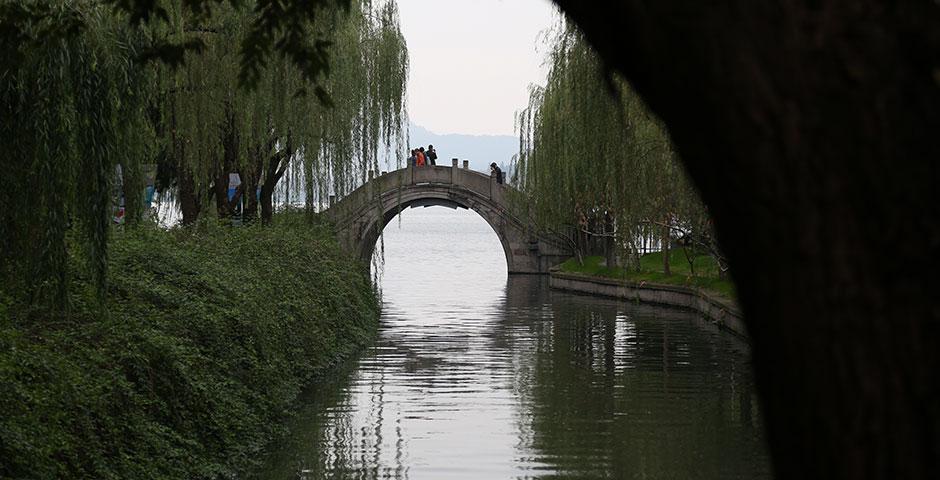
x: 478, y: 375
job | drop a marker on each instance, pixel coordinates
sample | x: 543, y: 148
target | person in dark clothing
x: 498, y: 172
x: 413, y: 159
x: 432, y: 155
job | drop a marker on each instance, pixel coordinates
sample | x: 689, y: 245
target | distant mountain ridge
x: 480, y: 150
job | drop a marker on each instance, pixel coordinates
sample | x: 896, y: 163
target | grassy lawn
x: 651, y: 270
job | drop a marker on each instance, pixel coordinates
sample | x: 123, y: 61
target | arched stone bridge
x: 361, y: 216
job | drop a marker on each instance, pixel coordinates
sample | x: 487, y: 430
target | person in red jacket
x: 427, y: 159
x: 421, y: 160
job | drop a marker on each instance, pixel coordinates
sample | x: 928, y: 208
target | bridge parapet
x: 361, y: 216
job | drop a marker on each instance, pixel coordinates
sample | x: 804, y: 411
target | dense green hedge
x: 208, y: 338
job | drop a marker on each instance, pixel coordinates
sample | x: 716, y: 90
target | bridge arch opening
x: 437, y: 217
x: 426, y: 250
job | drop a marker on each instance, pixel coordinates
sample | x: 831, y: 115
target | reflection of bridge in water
x: 361, y: 216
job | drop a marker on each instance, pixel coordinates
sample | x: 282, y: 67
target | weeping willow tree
x: 73, y: 104
x: 322, y: 140
x: 233, y: 91
x: 594, y: 160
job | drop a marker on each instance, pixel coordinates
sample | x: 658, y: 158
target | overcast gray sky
x: 472, y: 61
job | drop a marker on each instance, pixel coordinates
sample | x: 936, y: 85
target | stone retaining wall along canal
x: 721, y: 312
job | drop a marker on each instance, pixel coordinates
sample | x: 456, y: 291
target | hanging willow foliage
x: 592, y: 157
x: 72, y: 108
x: 77, y: 102
x: 367, y: 86
x: 322, y: 142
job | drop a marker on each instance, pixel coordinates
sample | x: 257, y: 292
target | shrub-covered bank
x: 207, y: 339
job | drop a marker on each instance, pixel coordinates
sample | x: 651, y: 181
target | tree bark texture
x: 811, y: 130
x: 190, y: 203
x: 251, y: 179
x: 610, y: 247
x: 230, y: 146
x: 665, y: 247
x: 133, y: 198
x: 276, y: 167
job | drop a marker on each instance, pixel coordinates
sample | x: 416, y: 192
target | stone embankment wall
x: 726, y: 315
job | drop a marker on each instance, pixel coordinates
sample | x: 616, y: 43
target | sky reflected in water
x: 478, y: 376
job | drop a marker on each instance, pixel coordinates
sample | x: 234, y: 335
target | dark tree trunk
x: 267, y: 206
x: 189, y: 194
x: 190, y: 203
x: 133, y: 189
x: 276, y: 167
x: 250, y: 211
x: 224, y: 206
x: 229, y: 140
x: 810, y: 129
x: 220, y: 192
x: 584, y: 246
x: 689, y: 254
x: 251, y: 177
x: 610, y: 246
x: 637, y: 253
x: 665, y: 247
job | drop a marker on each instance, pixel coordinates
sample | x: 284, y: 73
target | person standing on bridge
x: 413, y: 159
x: 432, y: 155
x: 427, y: 161
x: 498, y: 172
x: 420, y: 154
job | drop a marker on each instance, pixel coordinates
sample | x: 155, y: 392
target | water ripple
x: 474, y: 376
